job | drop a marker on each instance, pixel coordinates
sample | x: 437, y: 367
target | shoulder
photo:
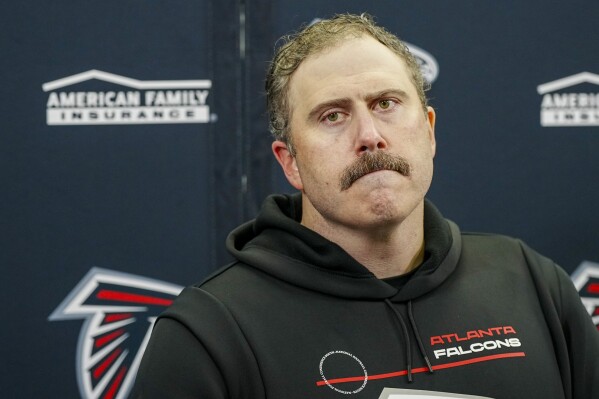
x: 207, y: 298
x: 514, y: 255
x: 491, y: 241
x: 499, y: 243
x: 503, y: 248
x: 200, y: 328
x: 216, y: 298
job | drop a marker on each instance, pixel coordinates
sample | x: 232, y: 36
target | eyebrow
x: 319, y: 108
x: 386, y: 93
x: 346, y: 102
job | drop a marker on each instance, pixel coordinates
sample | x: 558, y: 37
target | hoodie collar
x: 277, y: 244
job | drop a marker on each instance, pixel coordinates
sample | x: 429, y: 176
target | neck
x: 387, y: 251
x: 396, y: 264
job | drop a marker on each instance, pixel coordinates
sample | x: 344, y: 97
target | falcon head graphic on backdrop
x: 119, y: 310
x: 586, y: 281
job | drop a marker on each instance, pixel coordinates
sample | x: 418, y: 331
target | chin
x: 384, y: 210
x: 393, y: 207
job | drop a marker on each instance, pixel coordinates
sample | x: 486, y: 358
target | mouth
x: 370, y: 163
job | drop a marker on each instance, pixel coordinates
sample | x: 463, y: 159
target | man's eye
x: 384, y: 104
x: 333, y: 117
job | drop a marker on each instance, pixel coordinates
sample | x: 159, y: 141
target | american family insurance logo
x: 123, y: 101
x: 563, y: 105
x: 118, y: 311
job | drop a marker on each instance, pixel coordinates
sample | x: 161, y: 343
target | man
x: 357, y: 286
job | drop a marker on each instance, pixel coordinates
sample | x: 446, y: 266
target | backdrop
x: 134, y: 138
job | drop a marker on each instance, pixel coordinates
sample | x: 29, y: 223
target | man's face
x: 348, y: 101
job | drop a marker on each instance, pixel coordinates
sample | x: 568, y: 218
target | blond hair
x: 313, y: 39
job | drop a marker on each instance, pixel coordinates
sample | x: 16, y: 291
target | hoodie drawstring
x: 418, y: 339
x: 407, y: 337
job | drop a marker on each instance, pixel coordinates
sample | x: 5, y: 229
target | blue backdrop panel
x: 118, y: 151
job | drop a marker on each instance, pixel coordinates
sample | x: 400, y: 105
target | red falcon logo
x: 119, y: 310
x: 586, y: 281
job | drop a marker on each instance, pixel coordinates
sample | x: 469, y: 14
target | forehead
x: 352, y: 68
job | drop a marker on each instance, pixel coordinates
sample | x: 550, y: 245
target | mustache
x: 371, y: 162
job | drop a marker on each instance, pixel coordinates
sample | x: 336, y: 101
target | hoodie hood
x: 276, y: 243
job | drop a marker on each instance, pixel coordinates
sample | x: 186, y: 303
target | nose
x: 368, y: 136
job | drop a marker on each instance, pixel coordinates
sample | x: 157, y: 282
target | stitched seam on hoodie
x: 320, y: 269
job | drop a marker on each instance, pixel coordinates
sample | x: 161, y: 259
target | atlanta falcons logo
x: 586, y: 281
x: 119, y: 310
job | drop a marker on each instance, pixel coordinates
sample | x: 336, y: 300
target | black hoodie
x: 297, y: 317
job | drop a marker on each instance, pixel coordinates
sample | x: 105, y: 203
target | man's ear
x: 288, y: 163
x: 431, y: 119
